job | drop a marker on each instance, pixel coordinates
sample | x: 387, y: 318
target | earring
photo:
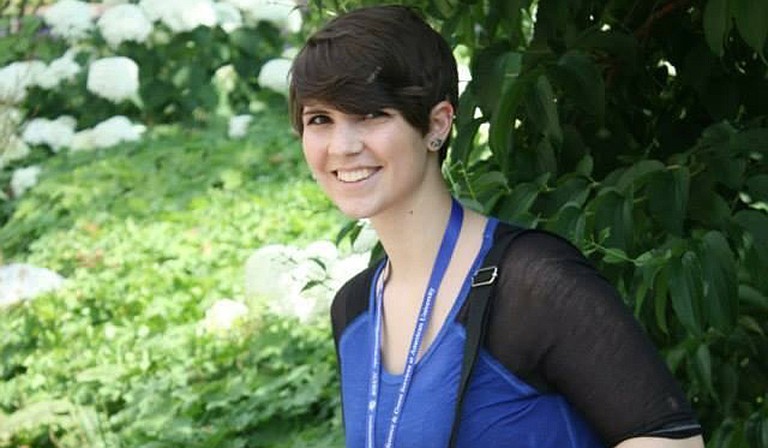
x: 436, y: 143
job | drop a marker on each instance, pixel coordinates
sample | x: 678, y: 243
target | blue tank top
x: 500, y: 410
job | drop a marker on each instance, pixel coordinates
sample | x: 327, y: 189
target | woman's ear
x: 440, y: 122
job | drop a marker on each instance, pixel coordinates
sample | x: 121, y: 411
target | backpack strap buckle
x: 485, y: 276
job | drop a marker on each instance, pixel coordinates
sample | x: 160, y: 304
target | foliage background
x: 638, y: 129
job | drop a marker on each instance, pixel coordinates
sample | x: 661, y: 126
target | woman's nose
x: 345, y: 140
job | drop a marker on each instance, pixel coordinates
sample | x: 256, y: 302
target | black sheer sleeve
x: 557, y: 323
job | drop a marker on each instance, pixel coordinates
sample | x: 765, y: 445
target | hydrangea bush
x: 75, y: 66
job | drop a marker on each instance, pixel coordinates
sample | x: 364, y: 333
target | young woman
x: 564, y: 364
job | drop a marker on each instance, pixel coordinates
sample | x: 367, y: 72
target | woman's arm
x: 560, y: 323
x: 656, y: 442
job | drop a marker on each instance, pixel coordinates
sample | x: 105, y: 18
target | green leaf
x: 704, y: 367
x: 717, y: 22
x: 583, y: 82
x: 752, y: 22
x: 494, y: 70
x: 661, y: 299
x: 351, y: 229
x: 542, y: 110
x: 613, y: 211
x: 752, y: 297
x: 546, y: 161
x: 569, y: 222
x: 571, y: 188
x: 585, y: 165
x: 615, y: 256
x: 493, y: 181
x: 757, y: 186
x: 751, y: 324
x: 445, y: 8
x: 685, y: 290
x: 464, y: 143
x: 728, y: 170
x: 705, y: 205
x: 756, y: 224
x: 519, y: 201
x: 720, y: 283
x: 502, y: 121
x: 637, y: 174
x: 668, y: 198
x: 649, y: 264
x: 750, y: 140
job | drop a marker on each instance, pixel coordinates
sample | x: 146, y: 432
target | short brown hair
x: 373, y: 58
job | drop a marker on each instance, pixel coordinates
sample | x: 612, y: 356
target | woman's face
x: 367, y: 164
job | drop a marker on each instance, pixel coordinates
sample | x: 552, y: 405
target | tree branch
x: 671, y: 6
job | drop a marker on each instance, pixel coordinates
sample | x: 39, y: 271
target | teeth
x: 354, y: 175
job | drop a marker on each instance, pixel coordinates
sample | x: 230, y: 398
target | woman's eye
x: 318, y: 119
x: 376, y: 114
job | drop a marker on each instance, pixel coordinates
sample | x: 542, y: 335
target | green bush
x: 639, y: 130
x: 148, y: 235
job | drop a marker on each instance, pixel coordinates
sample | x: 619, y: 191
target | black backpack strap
x: 483, y: 282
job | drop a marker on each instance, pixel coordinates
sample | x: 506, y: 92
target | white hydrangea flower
x: 10, y: 117
x: 279, y: 275
x: 16, y: 77
x: 59, y: 70
x: 267, y: 271
x: 124, y: 23
x: 23, y: 179
x: 225, y: 78
x: 180, y: 15
x: 117, y: 129
x: 114, y: 2
x: 56, y: 133
x: 238, y: 126
x: 290, y: 53
x: 367, y: 238
x: 82, y: 141
x: 323, y: 251
x: 110, y: 132
x: 13, y: 149
x: 114, y: 78
x: 282, y: 13
x: 274, y: 75
x: 345, y: 268
x: 228, y: 17
x: 24, y: 282
x: 223, y: 315
x: 155, y: 9
x: 299, y: 283
x: 70, y: 19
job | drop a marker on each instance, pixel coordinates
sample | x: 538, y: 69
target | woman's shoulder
x: 535, y: 248
x: 545, y: 277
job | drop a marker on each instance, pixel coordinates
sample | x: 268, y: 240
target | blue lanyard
x: 442, y: 260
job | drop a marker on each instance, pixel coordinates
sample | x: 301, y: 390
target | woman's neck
x: 411, y: 236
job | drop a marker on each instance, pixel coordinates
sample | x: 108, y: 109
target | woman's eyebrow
x: 314, y: 110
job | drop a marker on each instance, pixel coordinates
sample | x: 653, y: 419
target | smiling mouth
x: 351, y: 176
